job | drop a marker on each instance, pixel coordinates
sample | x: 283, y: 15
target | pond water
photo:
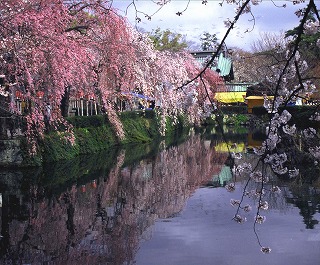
x: 155, y: 205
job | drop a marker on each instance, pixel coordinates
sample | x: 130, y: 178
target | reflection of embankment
x: 101, y: 221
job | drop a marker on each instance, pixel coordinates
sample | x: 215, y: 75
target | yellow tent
x: 230, y: 97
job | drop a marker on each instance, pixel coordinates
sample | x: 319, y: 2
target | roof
x: 224, y: 65
x: 237, y: 86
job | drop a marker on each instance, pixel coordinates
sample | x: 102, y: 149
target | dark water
x: 151, y: 205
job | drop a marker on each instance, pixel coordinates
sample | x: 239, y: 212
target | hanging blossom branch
x: 179, y: 13
x: 271, y: 154
x: 137, y: 11
x: 230, y: 25
x: 310, y: 6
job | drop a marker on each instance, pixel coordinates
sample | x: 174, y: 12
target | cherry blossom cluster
x: 50, y: 46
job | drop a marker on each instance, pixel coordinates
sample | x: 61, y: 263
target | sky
x: 199, y: 18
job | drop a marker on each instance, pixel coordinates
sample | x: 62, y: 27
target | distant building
x: 222, y: 64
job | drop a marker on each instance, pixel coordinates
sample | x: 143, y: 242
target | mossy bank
x: 94, y: 134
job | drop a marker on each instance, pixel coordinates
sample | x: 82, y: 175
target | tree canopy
x: 208, y: 41
x: 167, y: 40
x: 84, y: 47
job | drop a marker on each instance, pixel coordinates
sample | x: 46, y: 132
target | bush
x: 88, y: 121
x: 259, y: 111
x: 234, y: 109
x: 55, y: 148
x: 301, y: 115
x: 139, y: 128
x: 94, y: 134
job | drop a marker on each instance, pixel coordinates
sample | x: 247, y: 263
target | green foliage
x: 94, y: 139
x: 208, y: 41
x: 235, y: 119
x: 306, y: 39
x: 139, y: 151
x: 28, y: 160
x: 55, y: 148
x: 88, y: 121
x: 167, y: 40
x: 94, y: 134
x: 234, y: 109
x: 176, y: 130
x: 260, y: 110
x: 301, y: 115
x: 139, y: 126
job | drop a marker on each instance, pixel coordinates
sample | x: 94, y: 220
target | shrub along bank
x: 237, y: 116
x: 95, y: 133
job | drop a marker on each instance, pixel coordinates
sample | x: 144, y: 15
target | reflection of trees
x: 275, y: 200
x: 307, y: 199
x: 301, y: 194
x: 101, y: 221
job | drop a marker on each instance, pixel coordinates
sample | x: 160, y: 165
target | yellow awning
x: 225, y: 147
x: 230, y: 97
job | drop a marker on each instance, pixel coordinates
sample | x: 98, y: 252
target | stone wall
x: 10, y: 152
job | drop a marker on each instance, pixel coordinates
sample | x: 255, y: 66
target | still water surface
x: 151, y: 205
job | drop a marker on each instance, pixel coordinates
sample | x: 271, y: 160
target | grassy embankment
x: 95, y: 133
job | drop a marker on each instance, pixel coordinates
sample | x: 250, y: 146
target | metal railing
x: 11, y: 124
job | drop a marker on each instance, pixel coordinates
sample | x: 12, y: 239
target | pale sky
x: 199, y: 18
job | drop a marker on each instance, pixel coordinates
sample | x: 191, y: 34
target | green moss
x: 55, y: 148
x: 28, y: 160
x: 95, y: 133
x: 139, y: 126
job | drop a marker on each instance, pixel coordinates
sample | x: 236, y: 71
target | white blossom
x: 264, y: 205
x: 279, y: 169
x: 293, y: 172
x: 247, y: 208
x: 239, y: 219
x: 234, y: 202
x: 291, y: 130
x: 276, y: 161
x: 257, y: 176
x: 259, y: 219
x: 311, y: 27
x: 265, y: 250
x: 315, y: 151
x: 260, y: 150
x: 309, y: 133
x: 230, y: 187
x: 236, y: 155
x: 315, y: 117
x: 285, y: 117
x: 309, y: 87
x: 244, y: 168
x: 276, y: 189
